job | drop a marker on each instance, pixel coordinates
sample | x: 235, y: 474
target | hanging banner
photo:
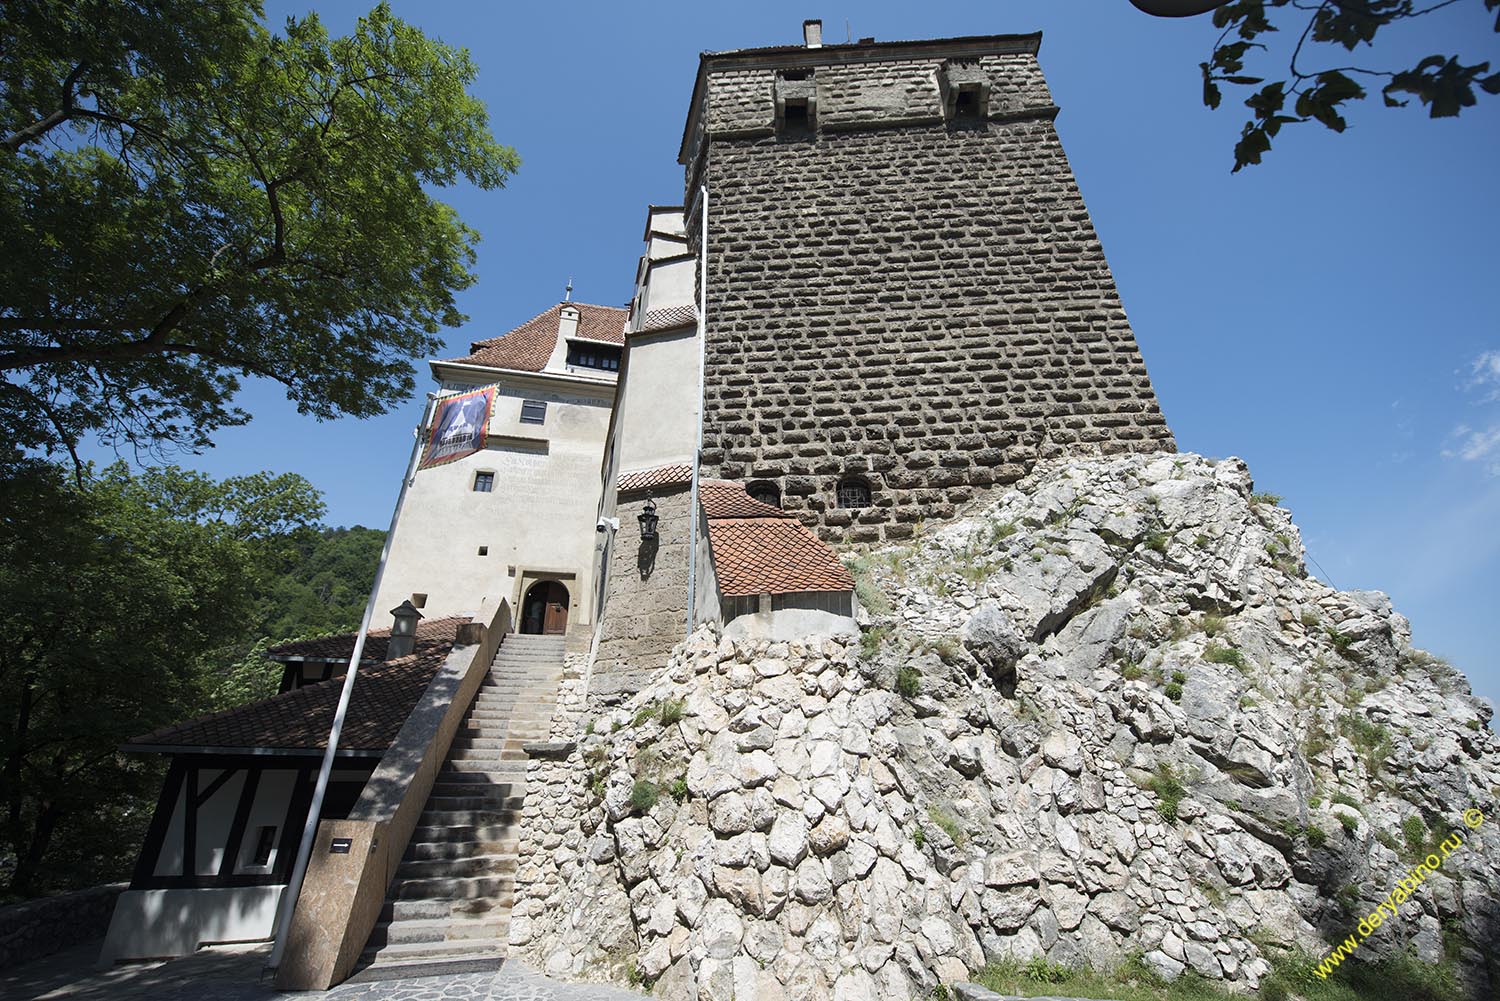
x: 460, y: 426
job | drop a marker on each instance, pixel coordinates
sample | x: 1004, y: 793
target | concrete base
x: 790, y: 624
x: 160, y: 924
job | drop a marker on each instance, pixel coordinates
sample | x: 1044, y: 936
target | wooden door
x: 555, y: 619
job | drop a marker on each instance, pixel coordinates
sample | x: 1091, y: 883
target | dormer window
x: 796, y: 104
x: 965, y: 87
x: 604, y: 357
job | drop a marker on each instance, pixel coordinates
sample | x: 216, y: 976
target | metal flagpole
x: 310, y: 827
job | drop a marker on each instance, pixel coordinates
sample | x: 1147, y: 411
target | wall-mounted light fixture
x: 403, y: 630
x: 648, y: 520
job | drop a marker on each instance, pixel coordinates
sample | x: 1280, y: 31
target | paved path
x: 232, y: 973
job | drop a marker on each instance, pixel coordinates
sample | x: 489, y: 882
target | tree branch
x: 37, y: 129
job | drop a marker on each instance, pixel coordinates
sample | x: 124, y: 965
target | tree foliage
x: 187, y: 198
x: 1444, y: 84
x: 134, y: 601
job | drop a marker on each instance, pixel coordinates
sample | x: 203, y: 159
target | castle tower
x: 906, y: 299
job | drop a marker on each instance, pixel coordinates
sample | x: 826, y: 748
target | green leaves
x: 205, y: 200
x: 132, y: 602
x: 1443, y: 83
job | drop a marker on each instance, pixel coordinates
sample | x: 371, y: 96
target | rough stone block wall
x: 647, y: 596
x: 39, y: 928
x: 926, y: 305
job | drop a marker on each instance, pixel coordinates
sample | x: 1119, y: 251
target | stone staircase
x: 448, y: 908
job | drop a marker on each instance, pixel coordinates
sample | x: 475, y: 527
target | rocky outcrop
x: 1109, y: 714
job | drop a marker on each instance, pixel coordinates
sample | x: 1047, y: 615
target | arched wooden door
x: 544, y: 610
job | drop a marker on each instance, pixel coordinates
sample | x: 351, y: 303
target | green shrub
x: 1174, y: 691
x: 1309, y: 618
x: 1345, y: 799
x: 671, y: 711
x: 948, y: 824
x: 1212, y: 624
x: 871, y: 639
x: 1316, y: 836
x: 1169, y: 789
x: 1372, y: 740
x: 871, y: 598
x: 1350, y: 824
x: 1179, y: 677
x: 1131, y: 670
x: 908, y: 681
x: 1216, y: 654
x: 643, y: 796
x: 1000, y: 531
x: 1414, y: 831
x: 679, y: 789
x: 1158, y: 541
x: 1262, y: 497
x: 1341, y: 641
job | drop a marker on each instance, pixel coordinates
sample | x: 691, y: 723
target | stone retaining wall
x: 41, y: 927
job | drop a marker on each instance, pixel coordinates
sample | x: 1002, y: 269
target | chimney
x: 403, y: 630
x: 812, y: 34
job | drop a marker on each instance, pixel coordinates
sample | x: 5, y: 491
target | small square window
x: 484, y: 550
x: 533, y: 412
x: 484, y: 482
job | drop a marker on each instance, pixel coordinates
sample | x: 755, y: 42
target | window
x: 484, y: 482
x: 853, y: 492
x: 533, y: 412
x: 966, y: 105
x: 796, y: 122
x: 484, y: 550
x: 601, y: 356
x: 765, y: 491
x: 265, y: 841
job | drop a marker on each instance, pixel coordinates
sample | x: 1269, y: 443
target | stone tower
x: 906, y: 300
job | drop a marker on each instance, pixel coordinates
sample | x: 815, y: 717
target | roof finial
x: 568, y: 292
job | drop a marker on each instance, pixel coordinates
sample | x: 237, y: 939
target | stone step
x: 478, y: 801
x: 398, y: 954
x: 435, y: 851
x: 455, y: 767
x: 463, y: 833
x: 458, y: 868
x: 433, y: 909
x: 497, y: 888
x: 468, y: 818
x: 400, y: 932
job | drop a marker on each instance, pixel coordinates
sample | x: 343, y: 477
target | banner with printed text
x: 460, y: 426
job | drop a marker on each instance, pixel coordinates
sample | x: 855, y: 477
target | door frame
x: 529, y: 577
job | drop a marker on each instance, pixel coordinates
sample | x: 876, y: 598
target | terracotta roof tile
x: 430, y: 632
x: 721, y: 499
x: 384, y: 696
x: 656, y: 476
x: 773, y: 556
x: 527, y: 347
x: 666, y: 319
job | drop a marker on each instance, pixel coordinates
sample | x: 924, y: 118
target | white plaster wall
x: 673, y: 283
x: 658, y: 419
x: 790, y: 624
x: 158, y: 924
x: 272, y: 798
x: 214, y: 820
x: 539, y: 516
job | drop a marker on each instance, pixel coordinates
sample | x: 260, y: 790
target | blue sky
x: 1328, y: 316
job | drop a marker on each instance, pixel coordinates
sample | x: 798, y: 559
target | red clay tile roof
x: 759, y: 549
x: 773, y: 556
x: 722, y: 499
x: 430, y: 633
x: 656, y: 476
x: 384, y: 696
x: 528, y: 347
x: 666, y: 319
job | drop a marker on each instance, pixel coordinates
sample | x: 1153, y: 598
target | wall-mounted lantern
x: 403, y: 630
x: 648, y: 520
